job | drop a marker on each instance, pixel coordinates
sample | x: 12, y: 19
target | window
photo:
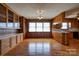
x: 66, y: 25
x: 39, y: 27
x: 46, y: 27
x: 31, y: 27
x: 69, y: 25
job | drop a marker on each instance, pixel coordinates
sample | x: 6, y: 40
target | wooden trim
x: 4, y: 4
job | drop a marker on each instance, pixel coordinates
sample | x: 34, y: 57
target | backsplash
x: 7, y: 31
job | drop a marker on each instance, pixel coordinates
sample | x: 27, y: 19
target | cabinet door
x: 13, y: 41
x: 2, y: 13
x: 21, y: 37
x: 5, y: 45
x: 16, y: 21
x: 18, y: 38
x: 16, y: 25
x: 2, y: 16
x: 10, y: 23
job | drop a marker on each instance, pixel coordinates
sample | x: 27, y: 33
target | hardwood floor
x: 42, y: 47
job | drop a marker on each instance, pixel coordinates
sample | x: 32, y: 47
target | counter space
x: 3, y: 36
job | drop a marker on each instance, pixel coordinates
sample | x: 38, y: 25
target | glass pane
x: 46, y: 27
x: 39, y: 27
x: 10, y: 25
x: 31, y: 27
x: 64, y: 26
x: 16, y: 25
x: 2, y: 25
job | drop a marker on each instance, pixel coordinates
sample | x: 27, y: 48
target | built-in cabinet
x: 23, y: 26
x: 9, y: 42
x: 2, y: 16
x: 8, y: 18
x: 10, y: 23
x: 60, y: 36
x: 13, y: 41
x: 2, y: 13
x: 19, y: 38
x: 16, y: 21
x: 4, y: 46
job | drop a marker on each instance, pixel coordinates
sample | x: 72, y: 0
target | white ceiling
x: 51, y: 10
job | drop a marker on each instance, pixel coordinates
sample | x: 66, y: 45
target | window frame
x: 41, y: 27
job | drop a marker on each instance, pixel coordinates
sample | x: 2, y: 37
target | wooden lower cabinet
x: 13, y: 41
x: 6, y: 44
x: 21, y: 37
x: 57, y: 36
x: 18, y: 39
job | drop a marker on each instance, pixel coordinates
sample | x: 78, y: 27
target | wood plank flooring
x: 42, y: 47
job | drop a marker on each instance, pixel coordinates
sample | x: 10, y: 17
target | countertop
x: 3, y: 36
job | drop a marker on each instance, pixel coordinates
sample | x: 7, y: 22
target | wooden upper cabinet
x: 3, y: 16
x: 23, y: 26
x: 10, y: 22
x: 8, y: 18
x: 59, y: 18
x: 16, y: 21
x: 2, y: 13
x: 16, y: 18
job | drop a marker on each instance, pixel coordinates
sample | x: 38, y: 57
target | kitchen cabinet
x: 2, y: 13
x: 18, y: 38
x: 13, y: 41
x: 8, y: 18
x: 4, y: 46
x: 8, y: 42
x: 10, y: 23
x: 21, y: 37
x: 2, y: 16
x: 16, y: 22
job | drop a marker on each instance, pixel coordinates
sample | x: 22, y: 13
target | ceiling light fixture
x: 40, y: 17
x: 40, y: 13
